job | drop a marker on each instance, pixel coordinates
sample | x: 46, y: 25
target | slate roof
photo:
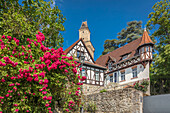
x: 130, y: 48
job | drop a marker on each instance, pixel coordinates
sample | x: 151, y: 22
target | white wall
x: 142, y: 73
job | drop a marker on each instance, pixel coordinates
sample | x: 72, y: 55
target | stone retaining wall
x: 127, y: 100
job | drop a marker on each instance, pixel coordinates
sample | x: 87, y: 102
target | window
x: 124, y: 57
x: 134, y: 72
x: 78, y: 54
x: 147, y: 49
x: 110, y: 66
x: 97, y: 76
x: 122, y: 76
x: 142, y: 50
x: 111, y: 78
x: 150, y: 48
x: 83, y: 72
x: 115, y: 77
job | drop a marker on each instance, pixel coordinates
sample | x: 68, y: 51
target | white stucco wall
x: 142, y: 73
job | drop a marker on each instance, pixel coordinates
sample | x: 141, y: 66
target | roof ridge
x: 125, y: 45
x: 70, y: 47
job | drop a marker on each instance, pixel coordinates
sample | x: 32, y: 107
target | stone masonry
x: 126, y: 100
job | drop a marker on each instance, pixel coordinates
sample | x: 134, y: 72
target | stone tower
x: 84, y: 33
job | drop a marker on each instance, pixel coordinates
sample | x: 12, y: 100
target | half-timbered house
x: 129, y: 63
x: 83, y: 47
x: 124, y: 66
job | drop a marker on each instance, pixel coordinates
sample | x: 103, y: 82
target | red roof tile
x: 146, y: 39
x: 130, y: 48
x: 117, y: 54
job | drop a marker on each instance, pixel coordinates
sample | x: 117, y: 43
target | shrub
x: 103, y: 90
x: 143, y: 86
x: 33, y: 77
x: 91, y: 107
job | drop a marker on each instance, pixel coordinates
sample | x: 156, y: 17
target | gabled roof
x: 69, y: 48
x: 130, y: 49
x: 111, y: 58
x: 145, y: 39
x: 72, y: 46
x: 117, y: 54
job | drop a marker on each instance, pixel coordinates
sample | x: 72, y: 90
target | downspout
x: 118, y: 73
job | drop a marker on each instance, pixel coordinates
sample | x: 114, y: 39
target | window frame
x: 83, y: 72
x: 122, y: 76
x: 150, y: 48
x: 115, y: 77
x: 78, y: 53
x: 110, y: 66
x: 134, y: 72
x: 111, y: 78
x: 96, y: 76
x: 142, y: 49
x: 124, y: 57
x: 147, y: 48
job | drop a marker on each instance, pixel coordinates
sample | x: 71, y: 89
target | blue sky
x: 105, y: 18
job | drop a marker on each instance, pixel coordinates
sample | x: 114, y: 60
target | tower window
x: 150, y: 48
x: 142, y: 49
x: 147, y: 49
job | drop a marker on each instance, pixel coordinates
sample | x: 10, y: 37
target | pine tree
x: 132, y: 32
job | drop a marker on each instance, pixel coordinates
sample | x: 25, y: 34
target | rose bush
x: 143, y: 86
x: 34, y: 77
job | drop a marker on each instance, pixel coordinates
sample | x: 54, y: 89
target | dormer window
x: 110, y: 66
x: 124, y: 57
